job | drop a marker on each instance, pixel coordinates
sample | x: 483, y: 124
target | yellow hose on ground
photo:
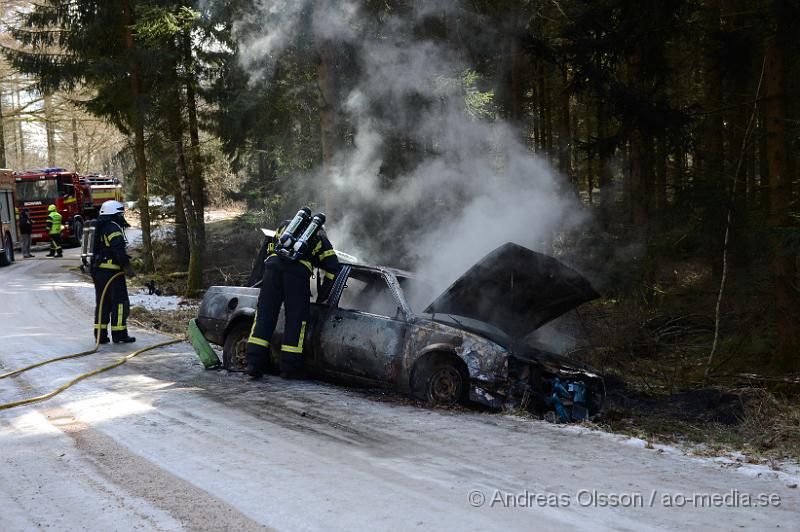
x: 79, y: 378
x: 76, y: 355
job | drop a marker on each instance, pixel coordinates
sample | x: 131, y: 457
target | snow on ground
x: 154, y: 302
x: 163, y: 444
x: 84, y: 292
x: 786, y: 471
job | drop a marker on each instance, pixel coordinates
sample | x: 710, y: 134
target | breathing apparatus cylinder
x: 299, y: 247
x: 289, y: 235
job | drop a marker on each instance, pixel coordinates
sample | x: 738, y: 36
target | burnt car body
x: 465, y: 345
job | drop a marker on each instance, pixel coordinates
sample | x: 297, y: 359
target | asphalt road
x: 161, y: 444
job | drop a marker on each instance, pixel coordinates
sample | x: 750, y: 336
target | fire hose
x: 83, y: 376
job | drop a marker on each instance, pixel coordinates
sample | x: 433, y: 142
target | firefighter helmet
x: 111, y: 207
x: 51, y: 208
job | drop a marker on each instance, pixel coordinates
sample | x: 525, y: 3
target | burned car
x: 467, y: 345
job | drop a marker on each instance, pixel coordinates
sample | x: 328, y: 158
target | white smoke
x: 270, y: 28
x: 474, y: 185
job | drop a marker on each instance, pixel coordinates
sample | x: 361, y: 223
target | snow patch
x: 84, y: 292
x: 154, y: 302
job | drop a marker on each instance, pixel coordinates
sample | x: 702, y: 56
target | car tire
x: 440, y: 381
x: 7, y: 256
x: 233, y: 350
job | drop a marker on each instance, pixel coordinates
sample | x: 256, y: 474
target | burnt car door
x: 362, y: 333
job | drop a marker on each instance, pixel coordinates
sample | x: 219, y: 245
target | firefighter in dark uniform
x: 286, y: 281
x: 110, y: 258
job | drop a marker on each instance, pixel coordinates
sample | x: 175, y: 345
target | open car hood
x: 515, y: 289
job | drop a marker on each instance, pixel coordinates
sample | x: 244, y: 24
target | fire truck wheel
x: 7, y: 256
x: 77, y: 232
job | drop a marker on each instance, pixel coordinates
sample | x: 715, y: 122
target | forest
x: 654, y: 146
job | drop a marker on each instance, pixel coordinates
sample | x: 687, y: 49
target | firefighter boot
x: 255, y: 365
x: 103, y: 336
x: 122, y: 337
x: 292, y: 366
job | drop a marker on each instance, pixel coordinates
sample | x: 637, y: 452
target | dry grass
x: 172, y: 322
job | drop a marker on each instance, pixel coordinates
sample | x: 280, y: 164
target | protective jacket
x: 109, y: 246
x: 54, y: 223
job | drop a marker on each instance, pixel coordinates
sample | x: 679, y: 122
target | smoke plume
x: 467, y: 181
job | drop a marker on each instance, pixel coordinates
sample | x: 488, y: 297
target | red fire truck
x: 8, y: 221
x: 77, y: 198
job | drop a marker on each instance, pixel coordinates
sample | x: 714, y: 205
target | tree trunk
x: 641, y: 147
x: 182, y: 250
x: 509, y: 88
x: 638, y: 186
x: 517, y: 86
x: 543, y: 113
x: 660, y: 187
x: 548, y: 114
x: 194, y: 281
x: 590, y: 175
x: 752, y: 198
x: 198, y: 179
x: 2, y: 135
x: 327, y: 97
x: 535, y: 126
x: 604, y: 171
x: 564, y: 133
x: 678, y: 181
x: 20, y: 130
x: 50, y: 130
x: 787, y: 304
x: 713, y: 184
x: 538, y: 124
x: 137, y: 124
x: 75, y: 150
x: 763, y: 159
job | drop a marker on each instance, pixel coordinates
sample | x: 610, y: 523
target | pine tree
x: 66, y: 44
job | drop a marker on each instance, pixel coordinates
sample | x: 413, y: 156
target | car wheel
x: 440, y: 382
x: 233, y: 351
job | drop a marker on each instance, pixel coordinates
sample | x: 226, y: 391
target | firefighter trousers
x: 116, y: 305
x: 55, y: 244
x: 292, y: 291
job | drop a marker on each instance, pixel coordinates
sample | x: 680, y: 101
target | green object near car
x: 204, y: 350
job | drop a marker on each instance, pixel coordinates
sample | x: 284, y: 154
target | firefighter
x: 54, y: 231
x: 25, y: 229
x: 110, y: 258
x: 286, y: 282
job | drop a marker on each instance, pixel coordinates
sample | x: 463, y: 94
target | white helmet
x: 111, y: 207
